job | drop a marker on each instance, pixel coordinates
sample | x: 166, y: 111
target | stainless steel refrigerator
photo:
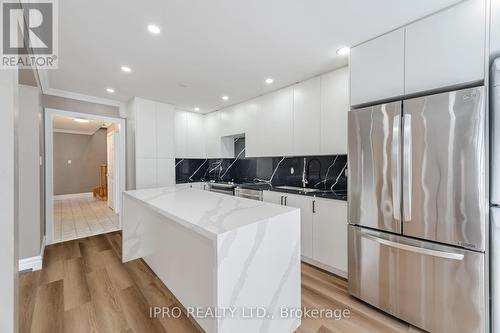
x: 495, y: 196
x: 418, y: 209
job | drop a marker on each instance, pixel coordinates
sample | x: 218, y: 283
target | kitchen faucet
x: 304, y: 179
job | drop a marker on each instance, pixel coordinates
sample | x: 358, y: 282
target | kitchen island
x: 233, y: 263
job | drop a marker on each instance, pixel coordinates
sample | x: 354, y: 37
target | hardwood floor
x: 84, y: 287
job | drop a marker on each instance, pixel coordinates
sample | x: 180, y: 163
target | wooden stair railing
x: 101, y: 192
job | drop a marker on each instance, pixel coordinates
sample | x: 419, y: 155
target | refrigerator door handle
x: 396, y: 167
x: 407, y: 165
x: 418, y: 250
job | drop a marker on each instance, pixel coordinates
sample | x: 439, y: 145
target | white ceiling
x: 207, y: 49
x: 69, y: 125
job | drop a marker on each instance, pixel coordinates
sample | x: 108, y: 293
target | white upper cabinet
x: 212, y: 135
x: 377, y: 68
x: 447, y: 48
x: 234, y: 119
x: 441, y: 51
x: 195, y: 147
x: 189, y: 134
x: 307, y: 117
x: 334, y: 108
x: 145, y: 131
x: 180, y: 125
x: 271, y: 130
x: 165, y: 129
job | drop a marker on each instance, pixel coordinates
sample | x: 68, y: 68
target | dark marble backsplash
x: 323, y: 172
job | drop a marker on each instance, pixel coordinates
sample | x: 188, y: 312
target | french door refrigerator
x: 495, y: 197
x: 418, y: 209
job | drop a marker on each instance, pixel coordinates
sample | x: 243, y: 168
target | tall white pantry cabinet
x: 150, y: 141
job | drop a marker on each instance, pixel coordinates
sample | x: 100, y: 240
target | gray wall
x: 8, y: 201
x: 68, y: 104
x: 32, y: 229
x: 31, y: 216
x: 87, y: 153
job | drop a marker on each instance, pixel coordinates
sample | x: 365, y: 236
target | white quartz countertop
x: 205, y: 212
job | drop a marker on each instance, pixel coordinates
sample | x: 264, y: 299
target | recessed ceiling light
x: 197, y: 109
x: 343, y: 50
x: 269, y: 80
x: 154, y: 29
x: 126, y: 69
x: 110, y: 90
x: 80, y: 120
x: 225, y: 98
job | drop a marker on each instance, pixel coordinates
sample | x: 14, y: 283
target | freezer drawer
x: 434, y: 287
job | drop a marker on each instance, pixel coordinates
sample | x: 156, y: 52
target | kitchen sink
x: 296, y: 188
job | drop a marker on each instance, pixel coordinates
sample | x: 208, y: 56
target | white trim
x: 74, y: 196
x: 82, y: 97
x: 43, y: 79
x: 49, y: 167
x: 34, y: 263
x: 325, y: 267
x: 73, y: 132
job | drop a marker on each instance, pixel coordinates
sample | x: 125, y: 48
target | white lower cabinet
x: 323, y: 229
x: 198, y: 185
x: 272, y: 197
x: 330, y: 233
x: 306, y: 222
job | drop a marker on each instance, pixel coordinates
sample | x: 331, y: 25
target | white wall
x: 8, y: 201
x: 30, y: 216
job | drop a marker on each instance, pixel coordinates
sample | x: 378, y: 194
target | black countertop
x: 326, y: 194
x: 340, y: 194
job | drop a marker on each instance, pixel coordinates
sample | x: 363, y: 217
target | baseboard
x: 324, y: 267
x: 33, y: 263
x: 74, y: 196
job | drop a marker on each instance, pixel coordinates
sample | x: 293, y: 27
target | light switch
x: 69, y: 161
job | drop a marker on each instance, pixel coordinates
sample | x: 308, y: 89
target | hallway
x: 83, y: 217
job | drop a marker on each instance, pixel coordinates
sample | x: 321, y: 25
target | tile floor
x: 77, y: 218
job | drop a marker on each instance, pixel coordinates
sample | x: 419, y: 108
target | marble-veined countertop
x: 205, y: 212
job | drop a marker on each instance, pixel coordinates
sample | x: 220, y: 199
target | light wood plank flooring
x: 84, y: 287
x: 83, y: 217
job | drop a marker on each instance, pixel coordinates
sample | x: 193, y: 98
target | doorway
x: 84, y: 174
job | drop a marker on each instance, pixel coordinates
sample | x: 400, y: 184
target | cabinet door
x: 212, y: 135
x: 195, y: 136
x: 165, y: 172
x: 377, y: 68
x: 447, y: 48
x: 145, y: 173
x: 271, y: 131
x: 145, y: 131
x: 306, y: 221
x: 330, y: 233
x: 334, y: 108
x: 252, y: 142
x: 272, y: 197
x: 234, y: 119
x: 180, y: 130
x: 165, y: 131
x: 307, y: 117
